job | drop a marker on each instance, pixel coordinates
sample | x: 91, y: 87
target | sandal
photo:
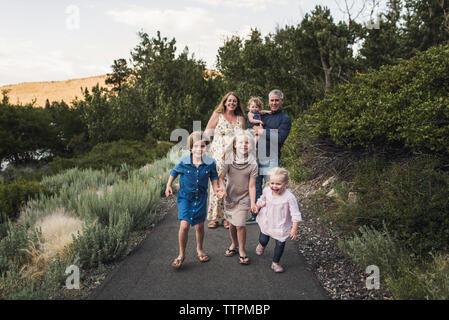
x: 242, y: 260
x: 213, y: 224
x: 226, y: 224
x: 203, y: 258
x: 231, y: 252
x: 260, y: 249
x: 277, y: 268
x: 177, y: 263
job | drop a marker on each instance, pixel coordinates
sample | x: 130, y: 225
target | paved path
x: 146, y: 273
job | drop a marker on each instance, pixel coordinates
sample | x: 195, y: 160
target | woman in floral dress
x: 227, y: 118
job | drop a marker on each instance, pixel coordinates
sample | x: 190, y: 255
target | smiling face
x: 254, y: 108
x: 275, y: 102
x: 277, y: 185
x: 242, y: 146
x: 198, y: 149
x: 231, y: 103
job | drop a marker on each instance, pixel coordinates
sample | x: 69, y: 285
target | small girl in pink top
x: 279, y: 215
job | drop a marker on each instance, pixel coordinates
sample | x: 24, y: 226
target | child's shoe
x: 277, y: 267
x: 260, y: 249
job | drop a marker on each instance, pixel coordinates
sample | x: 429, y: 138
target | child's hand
x: 221, y: 194
x: 254, y: 208
x: 294, y: 234
x: 168, y: 191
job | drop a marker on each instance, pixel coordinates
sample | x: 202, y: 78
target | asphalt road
x: 146, y: 274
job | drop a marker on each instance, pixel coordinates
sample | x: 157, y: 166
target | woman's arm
x: 211, y: 125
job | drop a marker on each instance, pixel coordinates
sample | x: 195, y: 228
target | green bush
x: 401, y: 105
x: 373, y: 247
x: 101, y: 244
x: 297, y: 152
x: 13, y: 196
x: 113, y: 155
x: 11, y: 246
x: 412, y: 199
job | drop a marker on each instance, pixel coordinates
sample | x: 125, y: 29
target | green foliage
x: 103, y: 243
x: 13, y: 196
x: 25, y: 132
x: 113, y: 155
x: 11, y: 246
x: 372, y: 247
x: 406, y: 277
x: 405, y: 28
x: 399, y: 106
x: 119, y: 75
x: 297, y: 151
x: 412, y: 199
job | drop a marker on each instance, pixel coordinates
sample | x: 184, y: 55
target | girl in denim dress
x: 195, y: 170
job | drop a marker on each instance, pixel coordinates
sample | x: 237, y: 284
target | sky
x: 68, y: 39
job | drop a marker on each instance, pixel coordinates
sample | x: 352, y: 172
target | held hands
x: 254, y: 208
x: 221, y: 193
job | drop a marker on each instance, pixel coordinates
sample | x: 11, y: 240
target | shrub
x: 401, y: 105
x: 13, y: 196
x: 99, y: 244
x: 373, y: 247
x: 12, y: 246
x: 297, y: 152
x: 411, y: 198
x: 113, y: 155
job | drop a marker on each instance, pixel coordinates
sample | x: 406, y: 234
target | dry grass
x: 67, y: 90
x: 56, y: 235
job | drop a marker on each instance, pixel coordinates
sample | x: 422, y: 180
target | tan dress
x: 238, y: 203
x: 223, y: 134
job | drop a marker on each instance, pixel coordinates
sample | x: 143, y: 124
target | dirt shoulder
x: 338, y: 275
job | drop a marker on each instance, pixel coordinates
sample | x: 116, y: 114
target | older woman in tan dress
x: 240, y: 196
x: 227, y: 119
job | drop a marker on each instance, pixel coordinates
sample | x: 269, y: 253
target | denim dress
x: 193, y: 181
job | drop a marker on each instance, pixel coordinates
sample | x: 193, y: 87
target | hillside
x: 65, y: 90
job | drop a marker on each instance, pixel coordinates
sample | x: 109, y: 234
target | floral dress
x: 223, y: 134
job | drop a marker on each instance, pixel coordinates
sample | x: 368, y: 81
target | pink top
x: 277, y: 214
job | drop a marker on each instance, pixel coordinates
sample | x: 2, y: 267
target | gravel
x: 339, y: 276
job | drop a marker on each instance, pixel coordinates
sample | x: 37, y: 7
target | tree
x: 332, y: 43
x: 119, y: 75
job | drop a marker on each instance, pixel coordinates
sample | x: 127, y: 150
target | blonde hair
x: 257, y: 101
x: 195, y: 137
x: 279, y: 172
x: 221, y: 108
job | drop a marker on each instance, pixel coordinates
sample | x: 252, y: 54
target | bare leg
x: 233, y: 234
x: 183, y: 236
x: 241, y: 235
x: 199, y: 231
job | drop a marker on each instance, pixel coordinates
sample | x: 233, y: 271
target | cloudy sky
x: 49, y: 40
